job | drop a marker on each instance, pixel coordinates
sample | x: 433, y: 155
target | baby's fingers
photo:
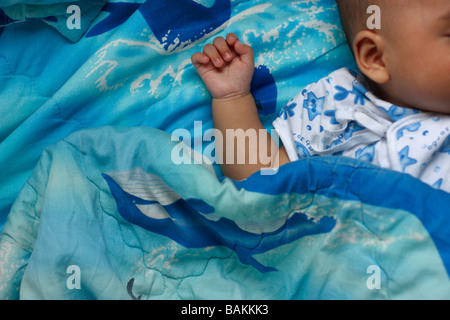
x: 231, y: 39
x: 222, y: 47
x: 198, y: 59
x: 213, y: 54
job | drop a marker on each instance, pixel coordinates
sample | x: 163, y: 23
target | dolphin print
x: 192, y: 229
x: 173, y: 22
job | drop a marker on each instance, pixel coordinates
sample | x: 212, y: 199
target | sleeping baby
x: 394, y: 112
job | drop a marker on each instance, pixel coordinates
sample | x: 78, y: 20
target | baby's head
x: 408, y: 58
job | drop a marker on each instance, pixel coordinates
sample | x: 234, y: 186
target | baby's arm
x: 226, y: 67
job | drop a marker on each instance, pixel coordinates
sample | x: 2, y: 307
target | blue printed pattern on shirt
x: 338, y: 115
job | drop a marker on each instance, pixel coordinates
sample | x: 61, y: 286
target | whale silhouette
x: 171, y: 21
x: 185, y: 225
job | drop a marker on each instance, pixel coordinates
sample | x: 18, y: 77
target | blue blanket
x: 92, y: 204
x: 107, y: 214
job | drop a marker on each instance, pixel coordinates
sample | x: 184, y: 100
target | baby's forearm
x: 226, y: 67
x: 247, y: 146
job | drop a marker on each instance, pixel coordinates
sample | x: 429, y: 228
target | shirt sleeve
x: 286, y: 126
x: 299, y: 122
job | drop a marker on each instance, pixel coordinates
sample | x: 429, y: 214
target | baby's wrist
x: 235, y: 103
x: 233, y: 98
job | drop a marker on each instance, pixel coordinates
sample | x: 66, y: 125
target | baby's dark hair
x: 353, y: 16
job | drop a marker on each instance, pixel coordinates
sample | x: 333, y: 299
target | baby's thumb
x: 245, y: 51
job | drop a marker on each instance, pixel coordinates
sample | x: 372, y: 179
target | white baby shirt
x: 339, y: 116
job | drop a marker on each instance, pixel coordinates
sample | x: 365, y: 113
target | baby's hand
x: 226, y: 67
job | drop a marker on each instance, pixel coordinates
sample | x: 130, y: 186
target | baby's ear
x: 368, y: 49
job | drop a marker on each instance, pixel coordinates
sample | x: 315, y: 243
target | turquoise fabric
x: 111, y: 204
